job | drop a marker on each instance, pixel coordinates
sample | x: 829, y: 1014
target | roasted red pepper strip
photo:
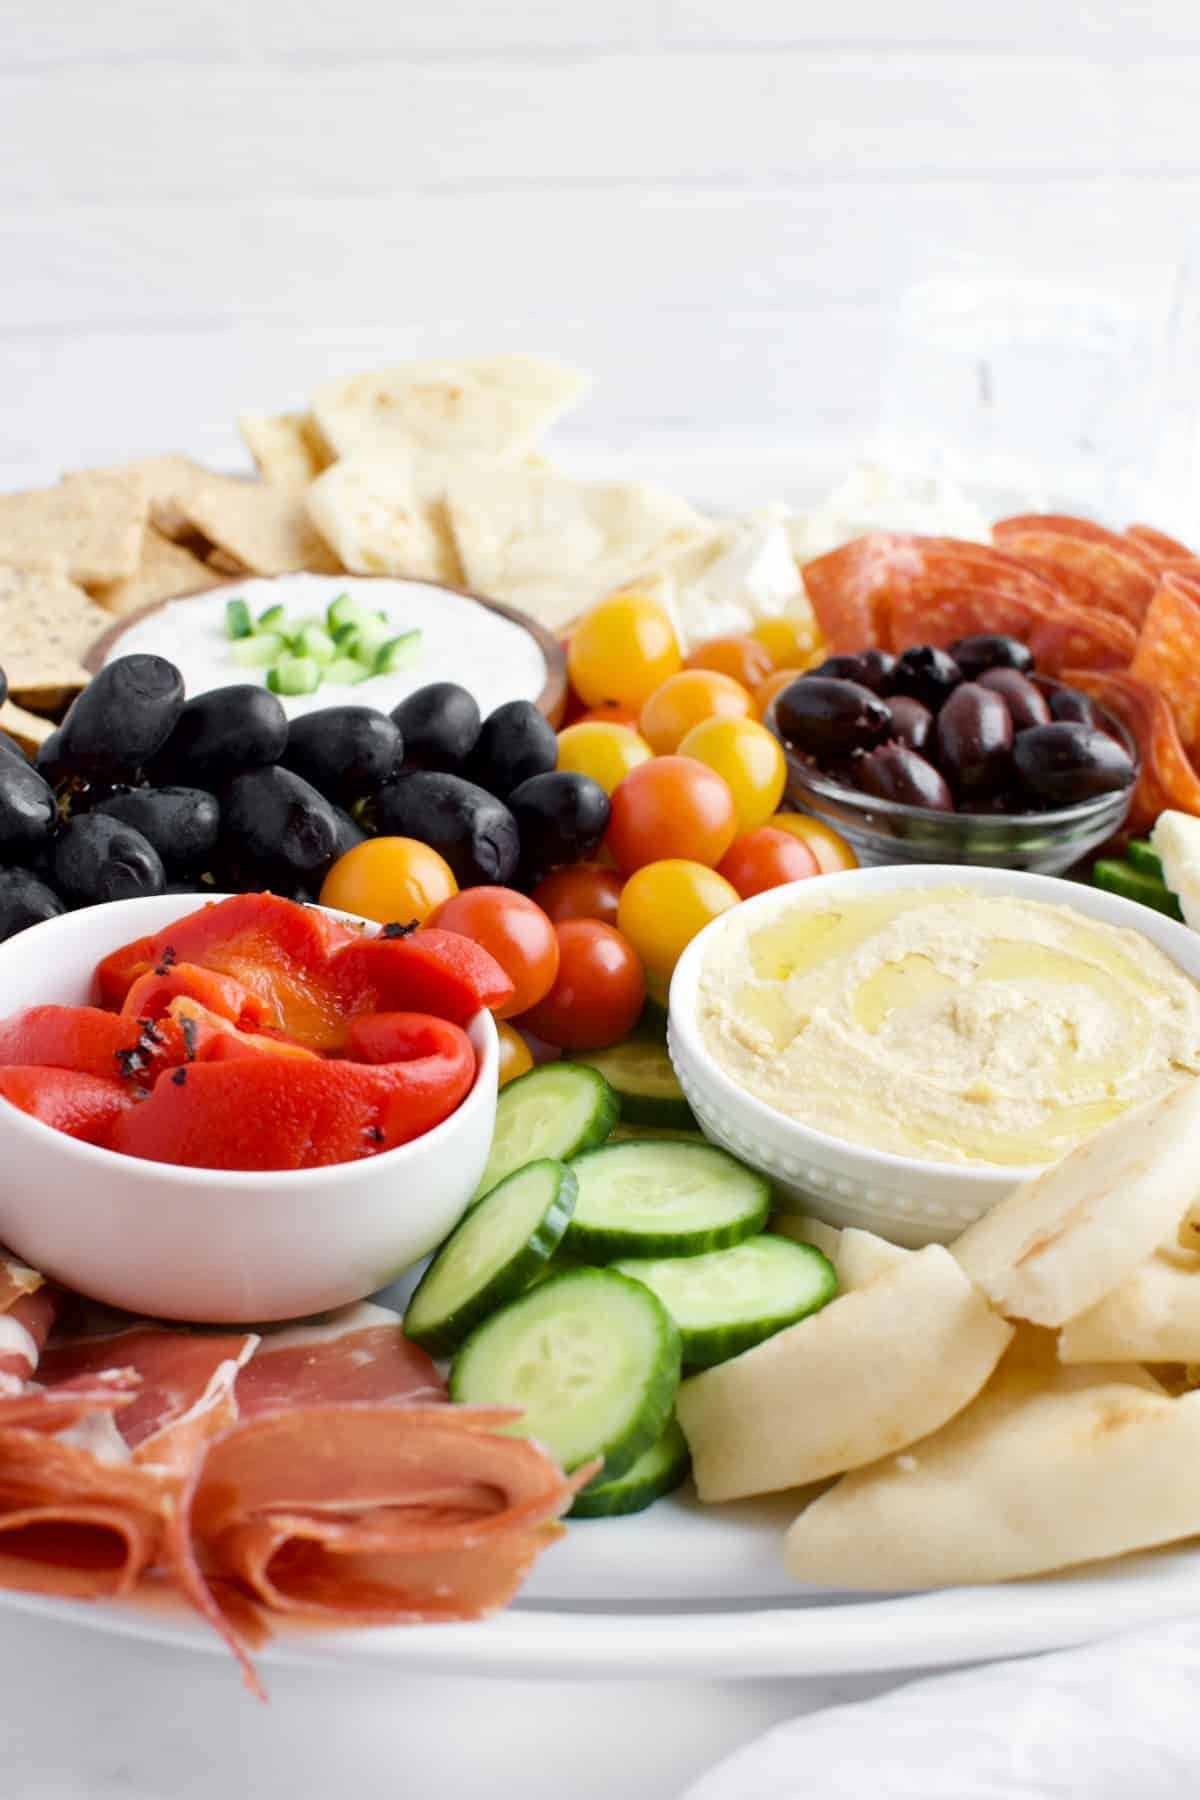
x: 210, y: 1038
x: 83, y: 1106
x: 151, y: 995
x: 268, y: 1113
x: 430, y: 971
x: 91, y: 1042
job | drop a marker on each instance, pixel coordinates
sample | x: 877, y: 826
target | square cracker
x: 47, y: 626
x: 287, y: 447
x: 263, y: 527
x: 95, y: 520
x: 165, y: 571
x: 168, y: 480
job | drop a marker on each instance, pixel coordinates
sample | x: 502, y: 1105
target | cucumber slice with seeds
x: 592, y: 1359
x: 730, y: 1300
x: 663, y: 1197
x: 645, y: 1081
x: 501, y: 1246
x: 557, y: 1110
x: 657, y: 1471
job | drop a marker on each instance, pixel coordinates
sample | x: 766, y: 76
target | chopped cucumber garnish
x: 316, y: 642
x: 343, y: 671
x: 657, y: 1471
x: 646, y: 1084
x: 590, y: 1357
x: 273, y: 619
x: 238, y: 623
x: 258, y: 651
x: 557, y: 1110
x: 662, y: 1197
x: 344, y: 610
x: 501, y: 1246
x: 294, y: 675
x: 730, y: 1300
x: 397, y: 653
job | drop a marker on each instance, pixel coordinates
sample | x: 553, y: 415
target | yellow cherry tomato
x: 831, y: 850
x: 389, y: 879
x: 749, y: 759
x: 766, y: 690
x: 687, y: 699
x: 605, y: 752
x: 791, y: 642
x: 662, y: 907
x: 621, y: 650
x: 516, y: 1058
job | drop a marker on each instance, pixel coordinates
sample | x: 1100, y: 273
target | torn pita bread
x: 94, y: 520
x: 288, y: 448
x: 551, y: 545
x: 1048, y: 1467
x: 166, y: 570
x: 1189, y: 1231
x: 870, y: 1373
x: 47, y: 626
x: 1154, y: 1316
x: 486, y: 405
x: 27, y: 728
x: 803, y: 1228
x: 1064, y: 1239
x: 862, y: 1256
x: 264, y: 528
x: 373, y: 514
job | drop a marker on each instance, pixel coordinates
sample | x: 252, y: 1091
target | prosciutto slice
x: 28, y: 1310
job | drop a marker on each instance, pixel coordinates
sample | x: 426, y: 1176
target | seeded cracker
x: 47, y: 626
x: 165, y: 571
x: 265, y: 528
x: 94, y: 519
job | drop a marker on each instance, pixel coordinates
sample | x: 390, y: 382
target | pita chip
x: 94, y: 520
x: 1153, y: 1317
x: 28, y: 729
x: 47, y: 626
x: 870, y: 1373
x: 288, y: 447
x: 1050, y: 1466
x: 486, y: 405
x: 378, y: 517
x: 803, y: 1228
x: 1064, y: 1239
x: 166, y: 570
x: 862, y: 1256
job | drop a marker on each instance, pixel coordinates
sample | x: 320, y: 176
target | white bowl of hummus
x: 896, y: 1048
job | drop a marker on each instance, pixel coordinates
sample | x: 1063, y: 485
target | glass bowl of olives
x: 959, y: 755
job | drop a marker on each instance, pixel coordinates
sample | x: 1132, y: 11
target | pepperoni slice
x: 1168, y: 653
x: 940, y: 615
x: 849, y: 587
x: 1167, y: 779
x: 1158, y: 545
x: 1068, y: 525
x: 1078, y: 638
x: 1090, y: 572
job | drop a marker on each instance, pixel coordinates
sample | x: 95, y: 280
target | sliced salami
x: 1157, y: 544
x: 1074, y: 637
x: 1068, y: 525
x: 1167, y: 779
x: 1168, y: 653
x: 1091, y: 572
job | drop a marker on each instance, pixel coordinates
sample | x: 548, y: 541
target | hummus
x: 946, y: 1024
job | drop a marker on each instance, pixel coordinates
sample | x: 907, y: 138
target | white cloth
x: 1115, y: 1721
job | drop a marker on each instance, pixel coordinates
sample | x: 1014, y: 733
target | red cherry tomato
x: 597, y: 993
x: 585, y: 892
x: 764, y: 859
x: 512, y: 929
x: 674, y: 806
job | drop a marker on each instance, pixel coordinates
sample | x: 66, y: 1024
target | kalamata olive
x: 1068, y: 762
x: 220, y: 734
x: 894, y: 772
x: 473, y: 830
x: 870, y: 668
x: 1069, y: 707
x: 124, y: 715
x: 516, y: 743
x: 439, y: 725
x: 25, y: 900
x: 343, y: 751
x: 975, y: 654
x: 96, y: 859
x: 183, y: 824
x: 1026, y: 704
x: 974, y: 739
x: 929, y: 675
x: 276, y: 827
x: 830, y: 717
x: 912, y: 723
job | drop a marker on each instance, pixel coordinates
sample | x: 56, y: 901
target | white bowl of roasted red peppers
x: 964, y: 755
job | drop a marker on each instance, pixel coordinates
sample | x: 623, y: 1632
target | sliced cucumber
x: 344, y: 610
x: 315, y: 641
x: 730, y: 1300
x: 1123, y: 878
x: 663, y: 1197
x: 274, y: 618
x: 1142, y: 854
x: 501, y: 1246
x: 344, y: 671
x: 657, y: 1471
x: 592, y: 1359
x: 294, y: 675
x: 557, y: 1110
x: 646, y: 1084
x: 238, y: 623
x: 397, y: 653
x: 258, y: 651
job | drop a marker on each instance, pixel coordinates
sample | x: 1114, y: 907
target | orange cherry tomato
x: 584, y: 892
x: 389, y: 879
x: 744, y: 659
x: 766, y: 690
x: 662, y: 908
x: 685, y: 700
x: 609, y: 713
x: 791, y: 641
x: 621, y: 649
x: 748, y: 758
x: 671, y: 807
x: 597, y: 993
x: 766, y: 858
x: 516, y: 1058
x: 604, y: 751
x: 512, y: 929
x: 831, y: 850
